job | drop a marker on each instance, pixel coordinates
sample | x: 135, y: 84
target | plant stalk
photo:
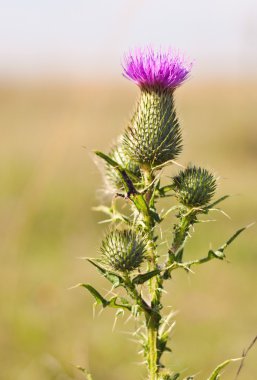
x: 152, y: 319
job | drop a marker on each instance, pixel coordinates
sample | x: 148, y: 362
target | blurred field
x: 48, y: 187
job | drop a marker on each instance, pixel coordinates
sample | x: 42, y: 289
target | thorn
x: 114, y: 323
x: 250, y: 225
x: 128, y: 319
x: 75, y: 286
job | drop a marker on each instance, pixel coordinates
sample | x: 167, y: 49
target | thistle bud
x: 194, y: 186
x: 154, y: 136
x: 123, y: 250
x: 113, y: 179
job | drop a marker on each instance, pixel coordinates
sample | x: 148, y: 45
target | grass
x: 48, y: 187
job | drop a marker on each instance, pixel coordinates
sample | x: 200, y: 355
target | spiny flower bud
x: 123, y: 250
x: 153, y: 136
x: 194, y: 186
x: 113, y: 178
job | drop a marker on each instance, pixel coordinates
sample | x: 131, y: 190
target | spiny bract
x: 153, y: 136
x: 194, y: 186
x: 113, y: 178
x: 123, y: 250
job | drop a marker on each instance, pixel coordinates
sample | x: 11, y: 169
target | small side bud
x: 194, y: 186
x: 113, y: 179
x: 123, y: 250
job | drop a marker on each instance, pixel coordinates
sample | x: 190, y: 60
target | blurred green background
x: 49, y: 185
x: 61, y: 96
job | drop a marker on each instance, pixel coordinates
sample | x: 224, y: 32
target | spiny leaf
x: 216, y: 202
x: 128, y: 184
x: 107, y: 158
x: 155, y: 215
x: 213, y: 255
x: 216, y: 373
x: 100, y: 300
x: 141, y: 278
x: 219, y: 253
x: 115, y: 279
x: 130, y: 189
x: 162, y: 191
x: 123, y: 305
x: 139, y: 202
x: 238, y: 232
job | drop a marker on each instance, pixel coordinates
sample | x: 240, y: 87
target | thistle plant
x: 129, y: 256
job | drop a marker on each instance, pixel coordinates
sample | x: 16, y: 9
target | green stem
x: 180, y: 234
x: 152, y: 323
x: 152, y: 345
x: 137, y: 297
x: 152, y: 319
x: 181, y: 230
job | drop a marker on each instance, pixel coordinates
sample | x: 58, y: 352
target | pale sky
x: 88, y: 37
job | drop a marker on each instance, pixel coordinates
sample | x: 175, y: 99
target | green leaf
x: 139, y: 202
x: 123, y: 305
x: 128, y: 184
x: 141, y: 278
x: 132, y: 193
x: 155, y: 215
x: 162, y: 191
x: 238, y: 232
x: 219, y: 253
x: 107, y: 158
x: 100, y: 300
x: 216, y: 202
x: 115, y: 279
x: 216, y: 373
x: 214, y: 255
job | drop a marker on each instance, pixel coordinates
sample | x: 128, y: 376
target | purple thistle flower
x: 156, y: 69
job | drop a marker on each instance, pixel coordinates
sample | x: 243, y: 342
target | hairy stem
x: 152, y: 327
x: 180, y: 234
x: 152, y: 319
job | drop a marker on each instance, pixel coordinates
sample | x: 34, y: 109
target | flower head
x: 123, y: 250
x: 194, y: 186
x: 156, y: 69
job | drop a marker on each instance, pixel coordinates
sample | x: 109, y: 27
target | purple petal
x: 156, y: 69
